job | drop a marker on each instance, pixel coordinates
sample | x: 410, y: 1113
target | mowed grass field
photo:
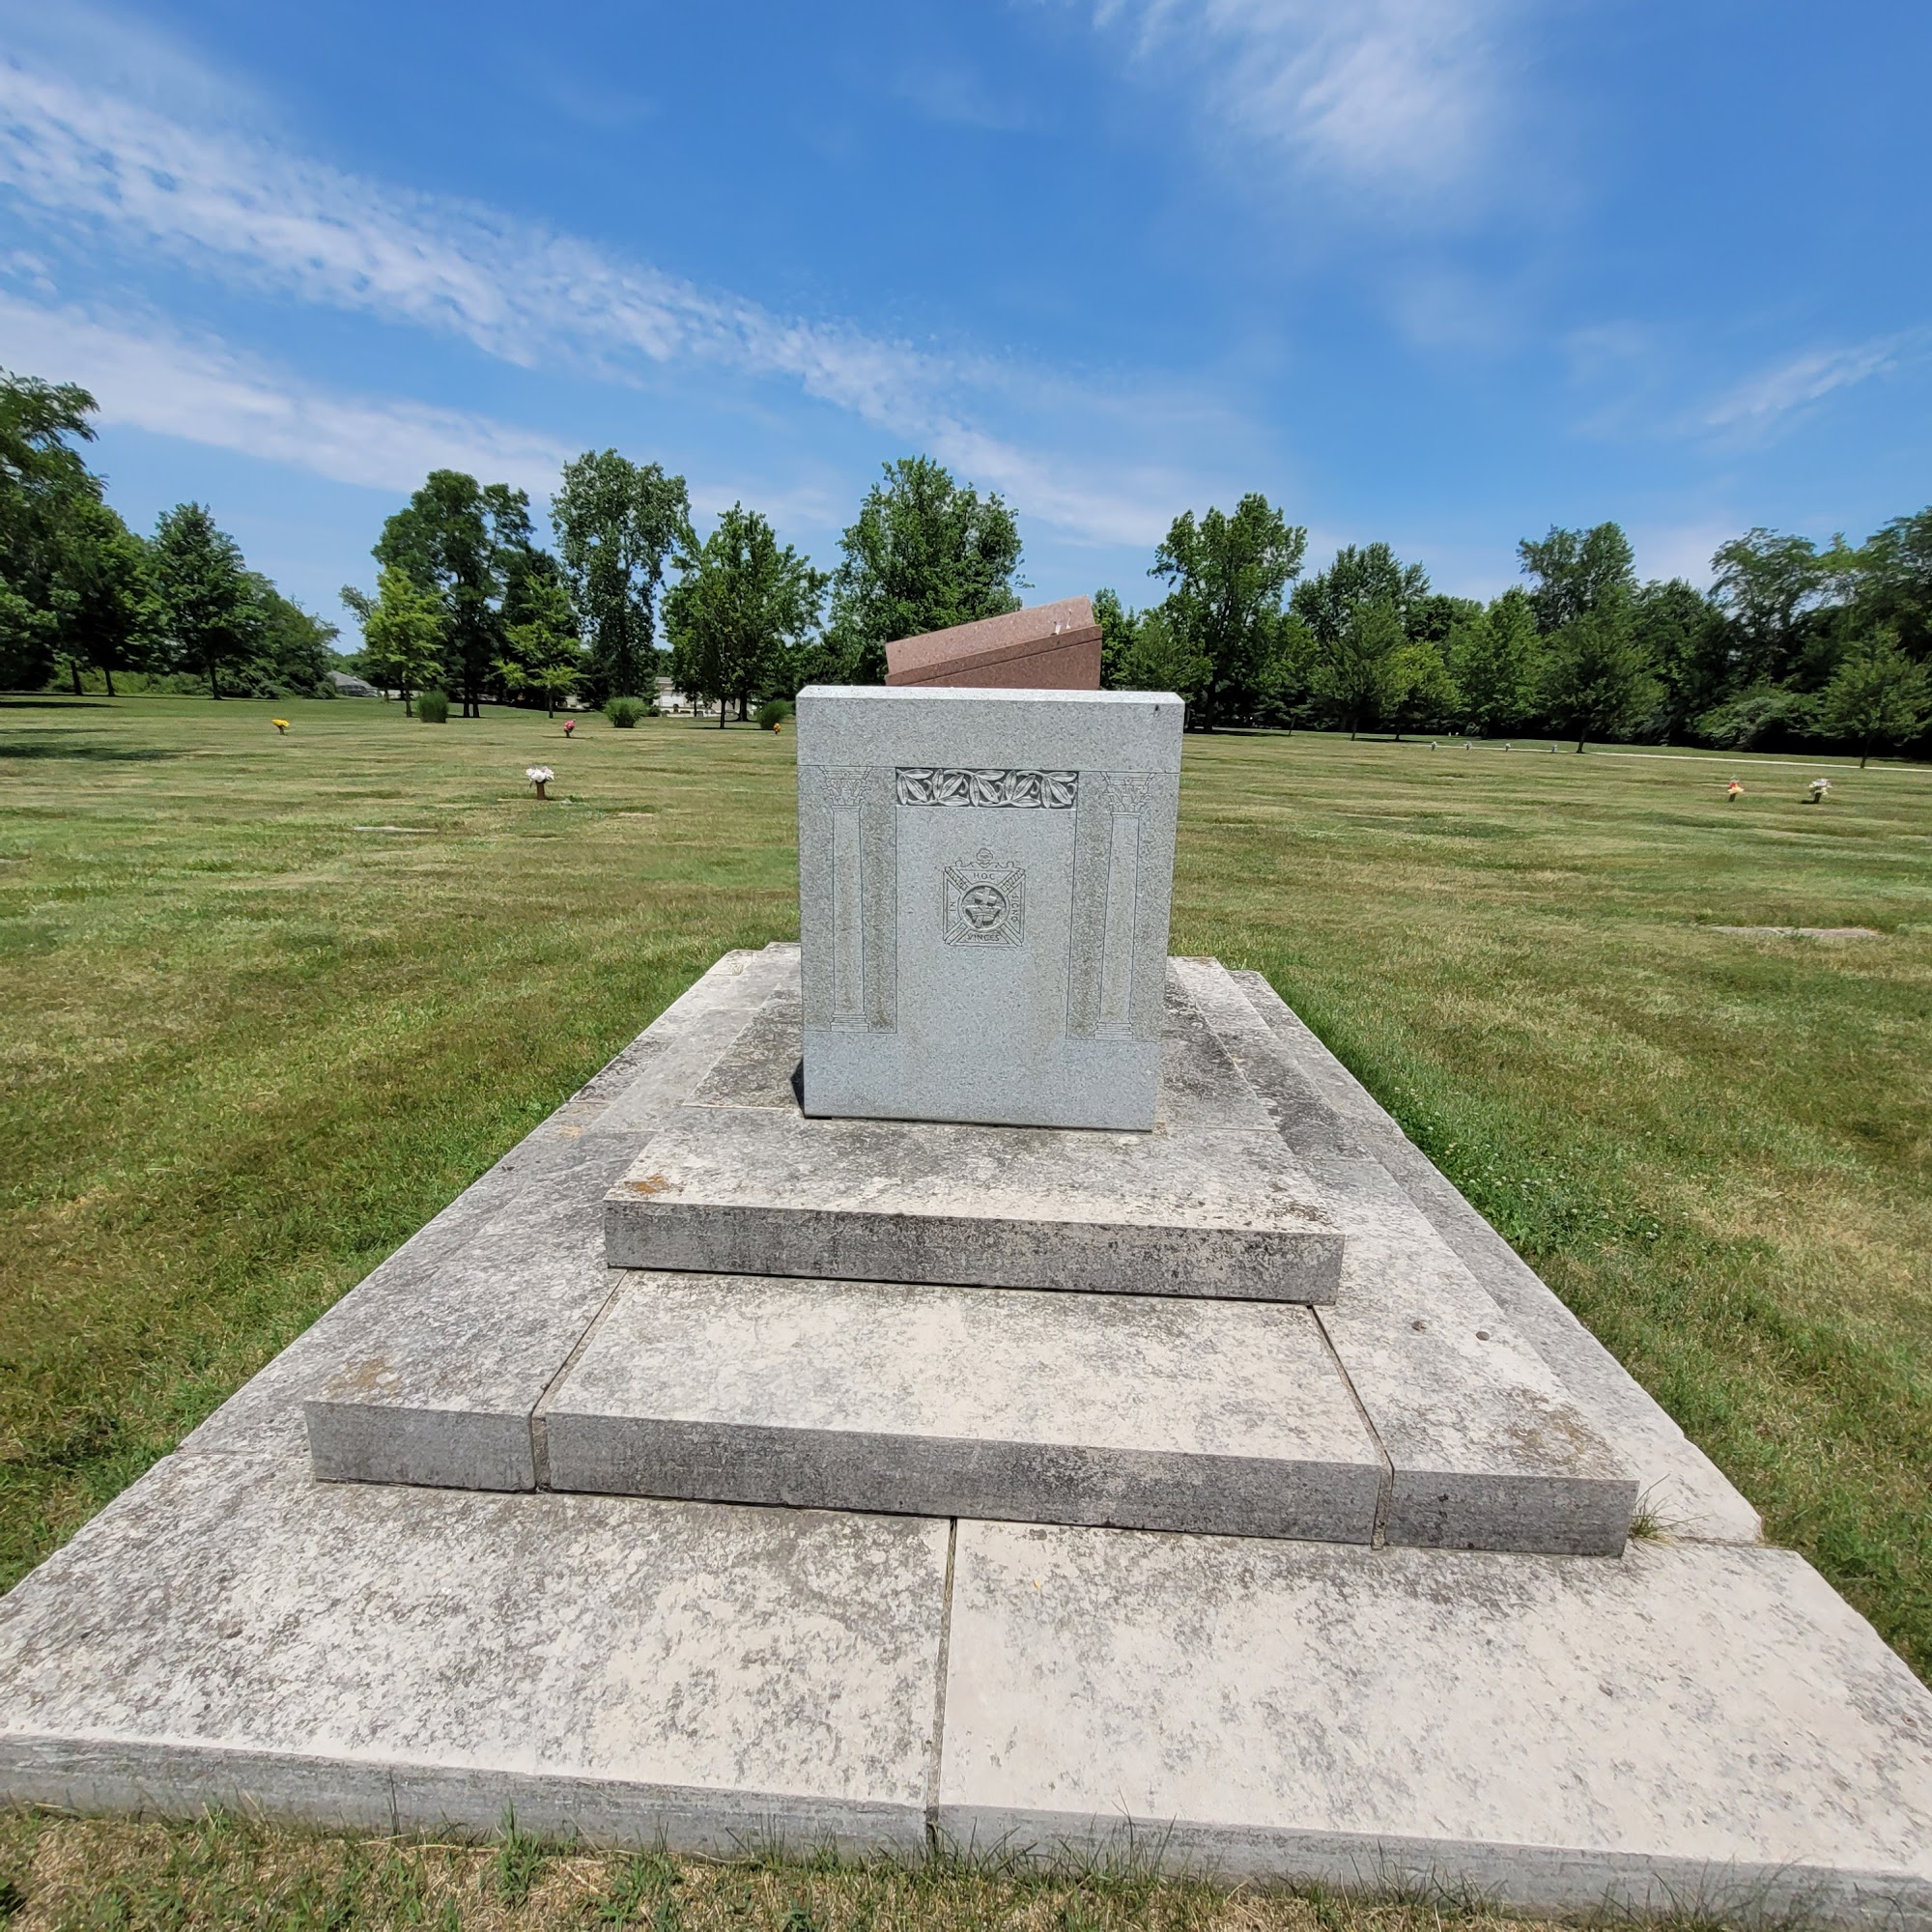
x: 270, y: 1002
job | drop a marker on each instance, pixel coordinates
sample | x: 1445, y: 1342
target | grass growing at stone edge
x: 273, y: 1000
x: 60, y: 1874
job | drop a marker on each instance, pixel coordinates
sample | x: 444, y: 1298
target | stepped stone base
x: 1154, y: 1414
x: 1464, y: 1435
x: 1698, y: 1726
x: 1214, y: 1202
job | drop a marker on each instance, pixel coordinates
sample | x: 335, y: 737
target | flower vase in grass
x: 569, y: 726
x: 281, y: 726
x: 1818, y: 791
x: 540, y: 775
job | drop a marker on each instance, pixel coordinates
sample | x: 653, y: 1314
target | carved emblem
x: 846, y: 787
x: 984, y: 902
x: 936, y: 784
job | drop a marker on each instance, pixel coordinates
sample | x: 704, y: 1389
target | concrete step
x: 1154, y: 1414
x: 739, y: 1180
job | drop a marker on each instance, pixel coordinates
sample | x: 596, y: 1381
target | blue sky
x: 1443, y: 272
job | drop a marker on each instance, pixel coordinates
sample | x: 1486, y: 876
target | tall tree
x: 743, y: 603
x: 1423, y: 693
x: 402, y: 633
x: 925, y: 553
x: 208, y: 605
x: 1877, y: 695
x: 1496, y: 659
x: 1226, y: 576
x: 1894, y: 583
x: 1119, y: 629
x: 1576, y: 572
x: 1688, y: 640
x: 1371, y: 574
x: 541, y: 652
x: 73, y: 578
x: 617, y: 523
x: 462, y: 540
x: 1598, y: 681
x: 1357, y: 669
x: 1768, y: 585
x: 100, y: 596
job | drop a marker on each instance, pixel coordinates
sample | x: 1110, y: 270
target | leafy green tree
x: 1357, y: 670
x: 1687, y: 639
x: 462, y: 540
x: 403, y: 634
x: 1769, y: 587
x: 925, y: 552
x: 1746, y: 717
x: 1161, y: 658
x: 1576, y: 573
x: 743, y: 603
x: 1423, y: 693
x: 541, y: 650
x: 1877, y: 695
x: 1120, y: 627
x: 1371, y: 574
x: 1893, y: 586
x: 296, y: 650
x: 73, y: 580
x: 1598, y: 677
x: 1496, y: 656
x: 99, y: 594
x: 1434, y: 618
x: 617, y: 525
x: 208, y: 606
x: 1226, y: 578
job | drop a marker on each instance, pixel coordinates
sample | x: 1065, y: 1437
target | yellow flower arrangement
x: 281, y: 724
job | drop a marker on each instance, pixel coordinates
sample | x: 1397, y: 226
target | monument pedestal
x: 1700, y: 1718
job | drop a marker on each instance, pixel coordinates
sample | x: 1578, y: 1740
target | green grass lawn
x: 270, y: 1002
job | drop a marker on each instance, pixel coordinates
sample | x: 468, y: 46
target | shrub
x: 624, y: 712
x: 432, y: 706
x: 773, y: 713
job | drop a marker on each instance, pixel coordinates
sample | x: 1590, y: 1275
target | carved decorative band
x: 1046, y: 791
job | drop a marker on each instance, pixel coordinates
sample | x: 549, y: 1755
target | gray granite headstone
x: 984, y: 879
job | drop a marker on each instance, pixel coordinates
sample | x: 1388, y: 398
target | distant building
x: 352, y: 687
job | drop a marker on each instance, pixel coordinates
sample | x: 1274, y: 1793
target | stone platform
x: 1699, y: 1725
x: 1407, y: 1411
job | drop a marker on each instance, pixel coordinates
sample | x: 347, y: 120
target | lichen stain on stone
x: 366, y: 1378
x: 653, y: 1183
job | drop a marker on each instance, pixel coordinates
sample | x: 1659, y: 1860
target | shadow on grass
x: 110, y: 754
x: 8, y: 703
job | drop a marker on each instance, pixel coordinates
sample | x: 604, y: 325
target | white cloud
x: 204, y: 392
x: 233, y: 205
x: 1405, y: 98
x: 1761, y: 402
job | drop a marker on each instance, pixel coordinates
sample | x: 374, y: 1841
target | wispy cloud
x: 951, y: 92
x: 204, y: 391
x: 1403, y: 97
x: 1764, y: 401
x: 233, y: 205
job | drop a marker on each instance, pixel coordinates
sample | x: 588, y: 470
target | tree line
x: 79, y: 591
x: 1793, y: 643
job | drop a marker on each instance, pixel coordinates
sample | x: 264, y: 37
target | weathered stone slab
x: 438, y: 1386
x: 1681, y: 1486
x: 1488, y: 1450
x: 1703, y: 1729
x: 742, y: 1190
x: 1045, y: 647
x: 984, y: 879
x: 228, y: 1632
x: 1152, y: 1412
